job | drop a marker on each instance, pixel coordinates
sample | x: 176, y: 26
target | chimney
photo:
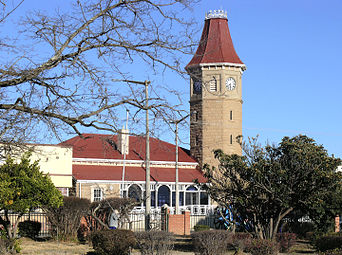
x: 123, y: 141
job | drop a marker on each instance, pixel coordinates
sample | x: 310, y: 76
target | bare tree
x: 69, y: 72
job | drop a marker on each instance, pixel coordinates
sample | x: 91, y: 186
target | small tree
x: 268, y: 183
x: 23, y: 187
x: 102, y: 210
x: 66, y: 220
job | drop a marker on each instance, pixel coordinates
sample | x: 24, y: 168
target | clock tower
x: 215, y: 92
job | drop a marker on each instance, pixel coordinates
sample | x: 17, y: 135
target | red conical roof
x: 216, y: 45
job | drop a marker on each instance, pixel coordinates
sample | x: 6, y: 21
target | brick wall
x: 179, y: 224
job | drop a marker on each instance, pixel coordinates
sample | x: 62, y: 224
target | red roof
x: 216, y: 45
x: 114, y: 173
x: 99, y: 146
x: 96, y: 146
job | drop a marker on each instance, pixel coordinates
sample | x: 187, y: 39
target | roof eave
x: 228, y: 64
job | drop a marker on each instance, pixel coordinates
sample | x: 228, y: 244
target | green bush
x: 199, y: 227
x: 286, y: 241
x: 155, y: 242
x: 328, y: 242
x: 263, y: 247
x: 29, y: 228
x: 211, y: 242
x: 113, y: 242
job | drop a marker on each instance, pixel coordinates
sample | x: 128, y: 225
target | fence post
x: 165, y: 218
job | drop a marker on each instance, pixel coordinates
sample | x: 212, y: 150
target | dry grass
x: 53, y: 248
x: 183, y: 246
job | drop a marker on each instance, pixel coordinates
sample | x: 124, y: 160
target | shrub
x: 3, y: 246
x: 332, y: 252
x: 240, y: 240
x: 155, y: 242
x: 263, y: 247
x: 299, y: 228
x: 29, y: 228
x: 113, y: 242
x: 66, y: 220
x: 199, y: 227
x: 328, y: 242
x: 8, y: 246
x: 286, y: 241
x: 211, y: 242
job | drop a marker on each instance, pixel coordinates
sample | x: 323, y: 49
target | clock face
x: 197, y: 86
x: 230, y: 83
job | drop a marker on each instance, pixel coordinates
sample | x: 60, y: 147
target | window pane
x: 134, y: 192
x: 181, y: 198
x: 173, y: 198
x: 188, y: 199
x: 163, y: 196
x: 204, y: 198
x: 153, y: 198
x: 194, y: 198
x: 97, y: 195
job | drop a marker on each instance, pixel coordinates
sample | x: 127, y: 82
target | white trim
x: 223, y: 64
x: 129, y: 182
x: 243, y: 66
x: 97, y: 160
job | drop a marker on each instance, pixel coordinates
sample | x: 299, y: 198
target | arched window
x: 163, y: 196
x: 191, y: 196
x: 134, y: 191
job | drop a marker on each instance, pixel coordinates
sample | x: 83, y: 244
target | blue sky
x: 293, y: 53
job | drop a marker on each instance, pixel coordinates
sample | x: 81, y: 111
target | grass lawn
x: 183, y: 246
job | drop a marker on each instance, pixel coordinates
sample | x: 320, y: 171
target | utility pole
x: 125, y: 155
x: 147, y: 165
x: 147, y: 159
x: 176, y: 165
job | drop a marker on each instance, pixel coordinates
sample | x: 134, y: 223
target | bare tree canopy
x: 67, y: 72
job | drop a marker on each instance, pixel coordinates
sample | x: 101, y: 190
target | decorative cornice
x: 242, y: 66
x: 216, y: 14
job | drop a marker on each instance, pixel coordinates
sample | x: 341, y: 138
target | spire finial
x: 216, y: 14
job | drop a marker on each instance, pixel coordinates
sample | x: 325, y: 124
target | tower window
x: 196, y: 140
x: 231, y: 115
x: 213, y: 84
x: 197, y: 87
x: 231, y: 139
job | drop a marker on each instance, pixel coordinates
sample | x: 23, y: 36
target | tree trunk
x: 280, y: 217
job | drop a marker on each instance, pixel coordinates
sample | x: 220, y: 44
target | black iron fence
x: 210, y: 220
x: 134, y: 222
x: 33, y: 216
